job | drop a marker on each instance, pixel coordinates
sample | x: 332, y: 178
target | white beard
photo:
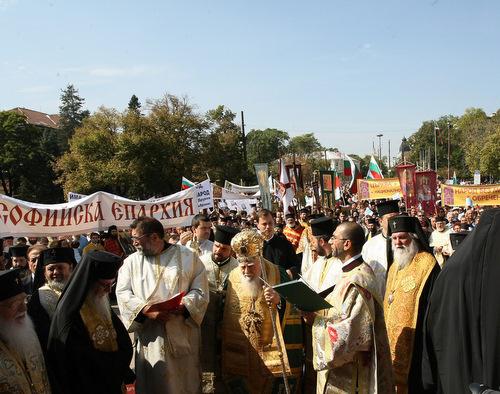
x: 404, y: 255
x: 252, y: 287
x: 21, y: 337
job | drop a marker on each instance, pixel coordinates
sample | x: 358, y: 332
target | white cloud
x: 36, y: 89
x: 120, y: 71
x: 7, y: 3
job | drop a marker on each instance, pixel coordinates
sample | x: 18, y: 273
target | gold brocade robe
x: 401, y: 303
x: 248, y: 346
x: 350, y: 346
x: 18, y: 377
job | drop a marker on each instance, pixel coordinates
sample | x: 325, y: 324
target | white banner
x: 233, y: 187
x: 99, y: 211
x: 239, y: 205
x: 229, y: 195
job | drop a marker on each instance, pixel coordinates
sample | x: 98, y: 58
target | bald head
x: 353, y: 232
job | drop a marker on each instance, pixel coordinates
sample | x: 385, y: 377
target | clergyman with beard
x: 21, y: 359
x: 218, y: 264
x: 250, y: 357
x: 89, y: 349
x: 53, y: 270
x: 410, y: 280
x: 167, y: 356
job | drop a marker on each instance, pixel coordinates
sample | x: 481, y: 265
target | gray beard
x: 403, y: 256
x: 54, y: 284
x: 100, y: 305
x: 251, y: 287
x: 21, y: 338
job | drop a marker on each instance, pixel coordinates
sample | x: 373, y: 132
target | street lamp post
x: 379, y: 147
x: 436, y: 129
x: 449, y: 125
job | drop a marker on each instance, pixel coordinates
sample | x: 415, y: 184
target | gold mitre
x: 247, y: 243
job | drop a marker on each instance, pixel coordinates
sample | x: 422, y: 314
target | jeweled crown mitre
x: 247, y: 243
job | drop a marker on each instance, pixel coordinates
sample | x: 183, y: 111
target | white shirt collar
x: 351, y: 260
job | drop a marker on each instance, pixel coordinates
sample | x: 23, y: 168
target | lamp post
x: 379, y: 147
x: 436, y: 129
x: 449, y: 126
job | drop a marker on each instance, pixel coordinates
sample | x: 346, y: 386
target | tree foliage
x: 223, y: 145
x: 26, y: 159
x: 473, y: 137
x: 266, y: 146
x: 71, y: 114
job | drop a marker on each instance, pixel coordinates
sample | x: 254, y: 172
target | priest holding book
x: 350, y: 346
x: 167, y: 355
x: 261, y: 333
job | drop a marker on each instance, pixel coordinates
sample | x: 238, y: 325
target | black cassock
x: 462, y: 340
x: 78, y: 367
x: 40, y: 318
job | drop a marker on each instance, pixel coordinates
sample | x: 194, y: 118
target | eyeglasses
x: 341, y: 239
x: 139, y: 237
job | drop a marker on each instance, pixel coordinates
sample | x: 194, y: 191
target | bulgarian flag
x: 374, y: 171
x: 186, y: 184
x: 351, y: 170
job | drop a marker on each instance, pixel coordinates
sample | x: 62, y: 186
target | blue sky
x: 344, y: 70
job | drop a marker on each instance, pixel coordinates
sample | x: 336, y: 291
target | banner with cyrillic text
x: 235, y: 188
x: 454, y: 195
x: 98, y: 211
x: 374, y: 189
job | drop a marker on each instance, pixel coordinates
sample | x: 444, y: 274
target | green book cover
x: 302, y: 296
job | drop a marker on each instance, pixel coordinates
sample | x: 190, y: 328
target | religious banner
x: 454, y: 195
x: 98, y: 211
x: 327, y: 183
x: 295, y: 177
x: 315, y: 187
x: 373, y: 189
x: 262, y: 170
x: 233, y: 187
x: 426, y: 190
x: 406, y: 175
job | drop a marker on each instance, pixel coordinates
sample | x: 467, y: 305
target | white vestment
x: 217, y: 275
x: 167, y: 355
x: 441, y: 239
x: 205, y: 246
x: 375, y: 255
x: 318, y: 278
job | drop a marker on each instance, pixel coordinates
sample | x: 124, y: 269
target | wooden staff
x: 275, y: 331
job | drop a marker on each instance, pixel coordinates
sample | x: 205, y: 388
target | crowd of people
x: 195, y: 309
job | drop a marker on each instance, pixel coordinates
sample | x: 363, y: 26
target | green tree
x: 26, y: 159
x: 223, y: 147
x: 422, y: 142
x: 304, y: 145
x: 71, y: 114
x: 265, y: 146
x: 137, y: 159
x: 490, y: 154
x: 90, y: 163
x: 134, y: 104
x: 474, y: 127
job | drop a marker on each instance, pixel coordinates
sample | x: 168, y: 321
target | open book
x: 169, y: 305
x: 299, y: 293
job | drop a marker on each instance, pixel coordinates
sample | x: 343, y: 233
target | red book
x: 169, y: 305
